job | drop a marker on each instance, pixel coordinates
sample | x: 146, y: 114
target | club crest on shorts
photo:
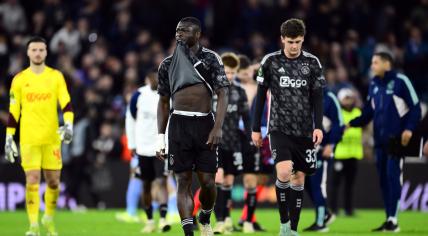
x: 274, y: 154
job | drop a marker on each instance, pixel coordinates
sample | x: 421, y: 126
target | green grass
x: 103, y: 223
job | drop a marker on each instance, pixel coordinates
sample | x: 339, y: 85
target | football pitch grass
x: 103, y: 223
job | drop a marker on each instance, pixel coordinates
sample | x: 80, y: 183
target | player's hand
x: 257, y: 139
x: 66, y: 133
x: 160, y: 150
x: 327, y: 151
x: 405, y: 137
x: 10, y: 149
x: 214, y: 138
x: 317, y: 137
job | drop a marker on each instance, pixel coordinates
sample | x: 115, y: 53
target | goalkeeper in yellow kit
x: 34, y: 97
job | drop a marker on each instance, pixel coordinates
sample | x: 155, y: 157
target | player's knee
x: 250, y: 181
x: 208, y: 184
x: 161, y: 182
x: 228, y: 181
x: 32, y: 177
x: 53, y: 183
x: 284, y: 175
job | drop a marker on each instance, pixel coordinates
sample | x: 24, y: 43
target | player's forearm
x: 222, y: 102
x: 68, y: 114
x: 12, y: 124
x: 247, y: 123
x: 258, y: 110
x: 162, y: 114
x: 318, y: 107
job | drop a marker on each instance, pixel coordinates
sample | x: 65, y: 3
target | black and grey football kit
x: 296, y: 106
x: 230, y: 149
x: 188, y: 131
x: 151, y: 168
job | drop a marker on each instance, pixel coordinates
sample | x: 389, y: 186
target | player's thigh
x: 206, y: 161
x: 304, y: 156
x: 147, y: 170
x: 160, y: 167
x: 51, y: 156
x: 31, y: 157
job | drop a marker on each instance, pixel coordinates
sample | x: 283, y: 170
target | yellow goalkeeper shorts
x: 35, y: 157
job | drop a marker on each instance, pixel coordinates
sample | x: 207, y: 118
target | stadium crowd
x: 106, y: 48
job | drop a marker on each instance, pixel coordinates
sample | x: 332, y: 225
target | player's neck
x: 292, y: 56
x: 195, y: 48
x: 37, y: 69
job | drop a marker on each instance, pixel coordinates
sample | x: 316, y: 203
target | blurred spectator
x: 66, y: 40
x: 347, y: 153
x: 106, y: 148
x: 13, y: 16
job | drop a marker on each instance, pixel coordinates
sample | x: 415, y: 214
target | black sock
x: 204, y: 216
x: 282, y: 195
x: 149, y: 212
x: 163, y: 209
x: 296, y: 201
x: 187, y: 225
x: 218, y: 206
x: 251, y: 203
x: 227, y: 200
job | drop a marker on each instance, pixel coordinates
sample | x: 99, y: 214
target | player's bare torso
x: 194, y: 98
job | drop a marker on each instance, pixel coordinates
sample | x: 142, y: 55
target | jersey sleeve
x: 263, y: 78
x: 14, y: 106
x: 163, y: 86
x: 318, y: 79
x: 130, y: 129
x: 218, y: 75
x: 244, y: 111
x: 64, y: 99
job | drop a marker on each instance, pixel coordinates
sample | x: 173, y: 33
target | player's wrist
x: 161, y: 141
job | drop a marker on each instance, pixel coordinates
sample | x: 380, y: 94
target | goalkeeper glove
x: 66, y: 133
x: 10, y: 149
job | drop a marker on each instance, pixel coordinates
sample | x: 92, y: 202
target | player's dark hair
x: 293, y: 28
x: 230, y: 59
x: 193, y: 21
x: 385, y: 56
x: 244, y: 62
x: 36, y: 39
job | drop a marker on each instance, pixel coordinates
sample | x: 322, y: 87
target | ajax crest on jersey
x: 305, y: 70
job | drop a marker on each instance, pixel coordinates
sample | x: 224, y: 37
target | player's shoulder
x: 314, y: 59
x: 52, y: 72
x: 271, y: 56
x: 165, y: 62
x: 211, y: 55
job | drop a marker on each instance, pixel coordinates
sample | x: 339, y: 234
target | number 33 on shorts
x: 311, y: 157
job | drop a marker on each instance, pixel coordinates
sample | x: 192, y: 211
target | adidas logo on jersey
x: 281, y: 70
x: 285, y: 81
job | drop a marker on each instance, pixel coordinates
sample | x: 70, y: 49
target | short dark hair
x: 36, y: 39
x: 244, y: 62
x: 385, y: 56
x: 193, y: 21
x: 293, y: 28
x: 230, y: 59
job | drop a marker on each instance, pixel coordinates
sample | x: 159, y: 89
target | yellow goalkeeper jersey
x: 34, y: 100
